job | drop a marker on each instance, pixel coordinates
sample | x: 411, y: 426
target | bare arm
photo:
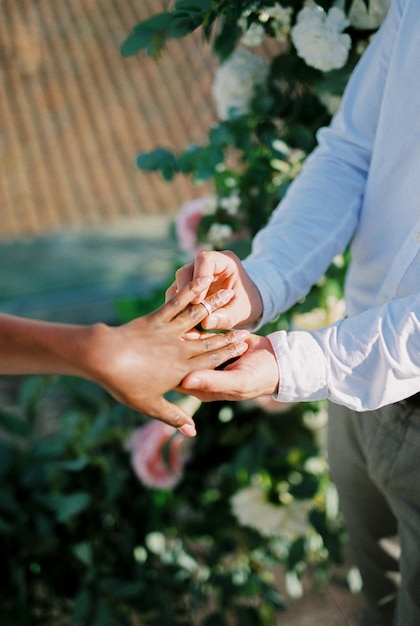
x: 136, y: 363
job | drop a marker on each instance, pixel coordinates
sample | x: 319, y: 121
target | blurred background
x: 79, y: 221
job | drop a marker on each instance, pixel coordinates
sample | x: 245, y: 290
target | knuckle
x: 176, y: 421
x: 203, y: 254
x: 229, y: 339
x: 195, y: 312
x: 209, y: 344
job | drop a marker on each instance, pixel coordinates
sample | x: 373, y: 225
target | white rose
x: 231, y: 204
x: 319, y: 39
x: 218, y: 234
x: 281, y: 18
x: 368, y: 19
x: 253, y: 36
x: 235, y: 82
x: 251, y: 508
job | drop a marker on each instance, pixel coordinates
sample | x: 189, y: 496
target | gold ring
x: 207, y: 307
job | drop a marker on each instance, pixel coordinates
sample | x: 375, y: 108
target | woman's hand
x: 140, y: 361
x: 227, y: 272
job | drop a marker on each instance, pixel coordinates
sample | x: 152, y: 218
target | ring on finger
x: 207, y: 306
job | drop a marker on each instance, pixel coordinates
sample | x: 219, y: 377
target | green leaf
x: 74, y: 465
x: 8, y: 503
x: 13, y: 424
x: 220, y: 135
x: 82, y: 607
x: 122, y: 588
x: 193, y: 6
x: 296, y: 553
x: 102, y: 614
x: 160, y: 159
x: 226, y: 40
x: 149, y: 35
x: 202, y: 160
x: 67, y: 506
x: 183, y: 24
x: 83, y: 551
x: 275, y: 598
x: 6, y: 457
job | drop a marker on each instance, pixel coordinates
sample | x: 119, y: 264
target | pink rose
x: 187, y: 222
x: 158, y: 454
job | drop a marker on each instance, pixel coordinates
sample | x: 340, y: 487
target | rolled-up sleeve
x: 363, y: 362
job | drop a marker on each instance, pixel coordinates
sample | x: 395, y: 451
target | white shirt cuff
x: 303, y: 372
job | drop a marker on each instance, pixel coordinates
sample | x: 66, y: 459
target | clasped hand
x: 256, y: 372
x: 151, y: 355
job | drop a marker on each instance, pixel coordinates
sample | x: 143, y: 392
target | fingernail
x: 188, y: 430
x: 225, y: 295
x: 241, y: 334
x: 212, y: 320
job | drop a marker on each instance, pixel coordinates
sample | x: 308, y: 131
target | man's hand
x: 252, y: 375
x: 227, y: 272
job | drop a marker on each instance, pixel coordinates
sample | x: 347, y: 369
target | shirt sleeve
x: 363, y: 362
x: 320, y: 213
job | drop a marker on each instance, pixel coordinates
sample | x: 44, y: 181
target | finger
x: 221, y: 319
x: 196, y: 313
x: 171, y: 291
x: 205, y: 264
x: 212, y: 343
x: 213, y: 358
x: 219, y: 265
x: 185, y: 275
x: 182, y: 299
x: 212, y: 385
x: 175, y: 416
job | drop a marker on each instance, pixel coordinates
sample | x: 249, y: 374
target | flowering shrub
x: 235, y: 82
x: 282, y: 70
x: 190, y: 533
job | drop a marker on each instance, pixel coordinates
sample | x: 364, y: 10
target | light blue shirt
x: 361, y: 184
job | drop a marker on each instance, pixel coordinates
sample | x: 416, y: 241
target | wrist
x: 89, y: 354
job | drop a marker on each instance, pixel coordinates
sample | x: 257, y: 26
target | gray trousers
x: 374, y: 460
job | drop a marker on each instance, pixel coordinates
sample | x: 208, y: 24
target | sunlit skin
x: 226, y: 272
x: 138, y: 362
x: 256, y: 372
x: 252, y: 375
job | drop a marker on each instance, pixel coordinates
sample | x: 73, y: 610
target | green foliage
x: 76, y: 525
x: 151, y: 34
